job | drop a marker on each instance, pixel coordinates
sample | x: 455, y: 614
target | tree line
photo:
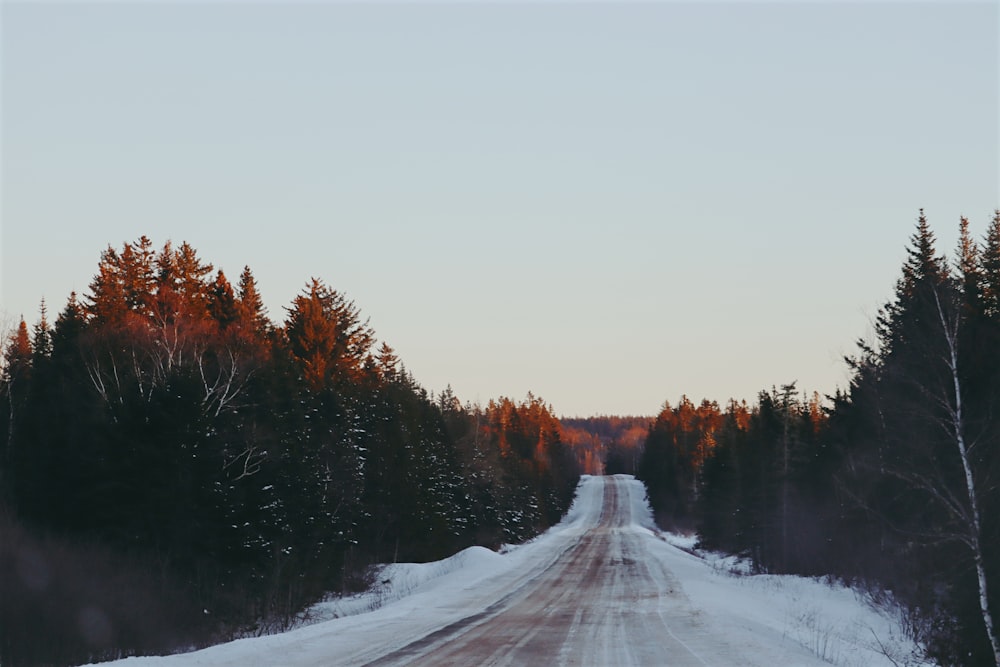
x: 892, y: 483
x: 177, y: 468
x: 606, y: 444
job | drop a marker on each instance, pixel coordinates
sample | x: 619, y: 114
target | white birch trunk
x: 950, y: 327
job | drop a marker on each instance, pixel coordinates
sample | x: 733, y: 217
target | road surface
x: 603, y: 602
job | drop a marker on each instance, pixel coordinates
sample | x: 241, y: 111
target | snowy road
x: 603, y: 602
x: 601, y: 589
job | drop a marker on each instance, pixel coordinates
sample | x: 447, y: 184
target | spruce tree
x: 107, y: 302
x: 990, y: 268
x: 922, y: 271
x: 919, y: 401
x: 327, y: 335
x: 388, y: 362
x: 253, y: 315
x: 18, y: 353
x: 222, y: 306
x: 968, y: 265
x: 15, y: 381
x: 137, y: 275
x: 70, y: 323
x: 42, y: 336
x: 192, y: 279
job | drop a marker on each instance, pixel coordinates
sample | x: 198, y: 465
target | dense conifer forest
x: 177, y: 468
x: 606, y: 444
x: 891, y: 483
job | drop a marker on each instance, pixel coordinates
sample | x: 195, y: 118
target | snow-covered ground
x: 833, y: 622
x: 647, y: 587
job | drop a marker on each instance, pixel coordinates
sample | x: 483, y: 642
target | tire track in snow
x: 481, y: 639
x: 581, y: 610
x: 601, y: 589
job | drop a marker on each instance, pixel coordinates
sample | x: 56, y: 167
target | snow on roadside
x: 766, y: 612
x: 417, y: 595
x: 395, y: 581
x: 831, y: 620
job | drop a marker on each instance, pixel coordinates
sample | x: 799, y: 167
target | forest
x: 178, y: 469
x: 606, y: 443
x: 891, y: 484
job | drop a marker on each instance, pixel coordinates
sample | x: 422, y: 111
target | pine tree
x: 990, y: 269
x: 923, y: 264
x: 136, y: 265
x: 222, y: 306
x: 191, y: 277
x: 327, y: 336
x: 69, y: 325
x: 42, y: 339
x: 107, y: 301
x: 388, y: 362
x: 918, y: 403
x: 168, y: 300
x: 16, y: 376
x: 911, y: 312
x: 166, y: 266
x: 253, y: 315
x: 788, y: 409
x: 18, y: 354
x: 967, y: 264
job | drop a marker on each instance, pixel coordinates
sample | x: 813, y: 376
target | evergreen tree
x: 18, y: 353
x: 222, y: 306
x: 41, y: 343
x: 990, y: 269
x: 915, y: 397
x: 16, y: 376
x: 388, y: 362
x: 327, y: 336
x: 137, y: 271
x: 166, y: 418
x: 107, y: 301
x: 253, y: 315
x: 968, y: 265
x: 70, y: 324
x: 191, y: 279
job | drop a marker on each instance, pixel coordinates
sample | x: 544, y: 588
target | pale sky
x: 607, y: 204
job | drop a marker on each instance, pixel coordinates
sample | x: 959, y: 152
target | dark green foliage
x: 677, y: 444
x: 520, y: 475
x: 871, y: 489
x: 251, y: 469
x: 903, y: 468
x: 765, y: 484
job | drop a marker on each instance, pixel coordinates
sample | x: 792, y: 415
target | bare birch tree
x: 953, y: 423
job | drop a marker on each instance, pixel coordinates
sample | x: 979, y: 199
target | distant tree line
x: 176, y: 468
x: 892, y: 483
x: 606, y: 444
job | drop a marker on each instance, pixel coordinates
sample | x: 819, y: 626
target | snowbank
x: 831, y: 620
x: 769, y: 617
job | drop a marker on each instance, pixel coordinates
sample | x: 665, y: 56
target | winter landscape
x: 603, y: 587
x: 477, y: 333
